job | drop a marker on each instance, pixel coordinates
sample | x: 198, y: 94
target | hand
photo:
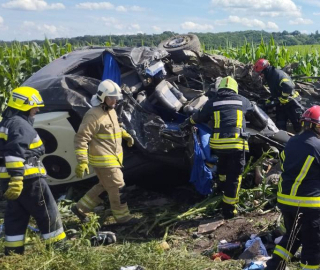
x: 268, y: 101
x: 128, y: 138
x: 283, y: 100
x: 186, y: 124
x: 81, y: 168
x: 15, y: 188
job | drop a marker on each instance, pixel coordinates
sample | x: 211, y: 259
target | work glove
x: 186, y: 124
x: 15, y: 187
x: 268, y: 101
x: 283, y: 101
x: 81, y: 168
x: 128, y: 138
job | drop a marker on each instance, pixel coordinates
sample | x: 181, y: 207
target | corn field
x: 20, y: 61
x: 306, y: 56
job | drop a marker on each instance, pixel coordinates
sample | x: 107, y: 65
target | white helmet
x: 106, y: 88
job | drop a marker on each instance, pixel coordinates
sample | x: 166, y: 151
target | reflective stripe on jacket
x: 20, y: 148
x: 227, y: 112
x: 299, y: 184
x: 98, y: 140
x: 280, y: 83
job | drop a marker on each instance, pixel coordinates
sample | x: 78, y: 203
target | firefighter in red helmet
x: 282, y: 92
x: 299, y: 196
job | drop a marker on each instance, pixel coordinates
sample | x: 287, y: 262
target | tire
x: 175, y: 46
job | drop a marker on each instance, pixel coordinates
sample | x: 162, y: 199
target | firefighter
x: 227, y: 111
x: 22, y: 174
x: 98, y: 143
x: 299, y: 195
x: 282, y: 93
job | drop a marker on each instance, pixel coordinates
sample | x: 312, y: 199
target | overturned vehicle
x: 160, y: 90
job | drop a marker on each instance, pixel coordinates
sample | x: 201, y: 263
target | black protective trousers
x: 36, y: 200
x: 302, y: 228
x: 292, y: 111
x: 230, y: 169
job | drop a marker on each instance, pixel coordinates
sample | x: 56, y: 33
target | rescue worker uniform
x: 299, y: 201
x: 282, y: 88
x: 98, y: 142
x: 227, y: 112
x: 20, y: 168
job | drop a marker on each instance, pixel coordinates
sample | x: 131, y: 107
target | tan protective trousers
x: 110, y: 180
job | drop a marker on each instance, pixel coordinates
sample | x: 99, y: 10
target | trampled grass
x: 113, y: 257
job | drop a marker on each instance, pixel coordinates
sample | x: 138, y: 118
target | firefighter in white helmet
x: 98, y: 143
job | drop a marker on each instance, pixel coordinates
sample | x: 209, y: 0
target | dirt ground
x: 151, y: 208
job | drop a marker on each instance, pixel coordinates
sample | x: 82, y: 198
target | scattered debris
x: 220, y: 256
x: 229, y: 247
x: 255, y: 266
x: 164, y: 245
x: 136, y: 267
x: 103, y: 238
x: 254, y: 247
x: 209, y: 227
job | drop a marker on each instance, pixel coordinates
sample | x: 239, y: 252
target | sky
x: 24, y: 20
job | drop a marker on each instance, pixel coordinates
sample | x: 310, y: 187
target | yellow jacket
x: 98, y: 140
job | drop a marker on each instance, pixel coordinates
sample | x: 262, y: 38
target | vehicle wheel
x: 175, y: 46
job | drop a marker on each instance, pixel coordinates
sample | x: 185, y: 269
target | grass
x: 149, y: 255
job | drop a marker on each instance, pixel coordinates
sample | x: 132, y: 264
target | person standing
x: 227, y: 111
x: 98, y: 143
x: 299, y: 196
x: 282, y: 91
x: 22, y: 174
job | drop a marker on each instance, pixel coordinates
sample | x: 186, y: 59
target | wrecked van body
x: 158, y: 95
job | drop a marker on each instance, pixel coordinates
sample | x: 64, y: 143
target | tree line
x: 208, y: 40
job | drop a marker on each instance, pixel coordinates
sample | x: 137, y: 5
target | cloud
x: 301, y: 21
x: 272, y: 26
x: 121, y: 9
x: 108, y: 6
x: 271, y: 8
x: 114, y: 23
x: 316, y: 13
x: 3, y: 27
x: 135, y: 26
x: 196, y: 26
x: 137, y: 8
x: 92, y: 6
x: 250, y: 23
x: 34, y: 5
x: 49, y: 30
x: 156, y: 28
x: 315, y: 3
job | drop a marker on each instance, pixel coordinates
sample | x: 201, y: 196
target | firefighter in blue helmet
x: 227, y: 111
x: 299, y: 196
x: 282, y: 92
x: 22, y: 175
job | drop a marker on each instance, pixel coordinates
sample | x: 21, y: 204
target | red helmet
x: 260, y: 65
x: 312, y: 115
